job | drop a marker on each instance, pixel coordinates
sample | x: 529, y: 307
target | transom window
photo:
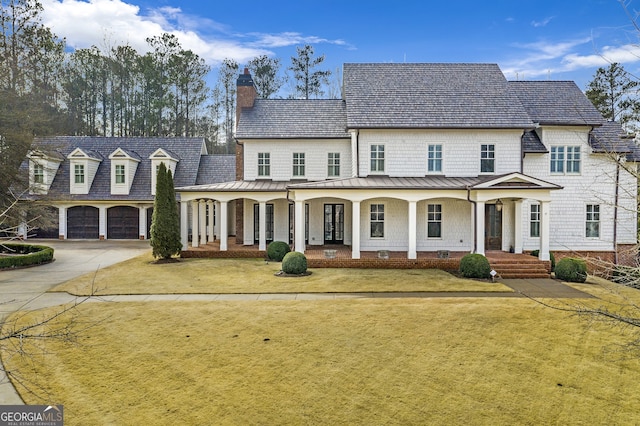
x: 565, y: 159
x: 593, y: 221
x: 434, y: 160
x: 487, y: 158
x: 377, y: 220
x: 120, y: 176
x: 264, y: 164
x: 298, y: 163
x: 334, y: 164
x: 78, y: 173
x: 38, y: 173
x: 377, y: 158
x: 534, y: 220
x: 434, y: 221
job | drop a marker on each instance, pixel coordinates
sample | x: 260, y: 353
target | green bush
x: 475, y: 265
x: 551, y: 257
x: 571, y: 270
x: 294, y: 263
x: 33, y: 255
x: 276, y: 250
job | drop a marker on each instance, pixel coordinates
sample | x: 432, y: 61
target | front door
x: 492, y: 227
x: 334, y: 223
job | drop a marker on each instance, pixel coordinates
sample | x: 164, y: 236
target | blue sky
x: 528, y: 39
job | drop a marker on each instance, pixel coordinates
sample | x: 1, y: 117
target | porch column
x: 517, y: 241
x: 216, y: 218
x: 102, y: 222
x: 195, y: 221
x: 184, y: 224
x: 355, y: 230
x: 480, y: 227
x: 223, y: 226
x: 202, y: 214
x: 210, y: 210
x: 262, y: 237
x: 298, y: 230
x: 412, y: 253
x: 142, y: 221
x: 544, y: 231
x: 62, y: 223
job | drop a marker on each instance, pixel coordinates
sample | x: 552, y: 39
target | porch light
x: 499, y: 205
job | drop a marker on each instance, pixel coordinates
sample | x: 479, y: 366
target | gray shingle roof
x: 531, y: 142
x: 611, y: 138
x: 556, y: 103
x: 293, y: 118
x: 216, y: 169
x: 187, y: 150
x: 431, y: 95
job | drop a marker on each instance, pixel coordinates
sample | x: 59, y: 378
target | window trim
x: 299, y: 164
x: 435, y: 160
x: 592, y: 217
x: 565, y: 159
x: 434, y: 217
x: 376, y: 159
x: 380, y: 218
x: 264, y: 164
x: 488, y: 156
x: 534, y: 219
x: 38, y: 173
x: 78, y: 174
x: 123, y: 175
x: 333, y: 164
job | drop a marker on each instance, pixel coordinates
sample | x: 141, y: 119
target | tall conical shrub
x: 165, y: 222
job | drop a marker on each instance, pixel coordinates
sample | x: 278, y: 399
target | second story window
x: 78, y: 173
x: 434, y: 160
x: 264, y: 164
x: 334, y: 164
x: 487, y: 158
x: 298, y: 164
x: 120, y: 176
x: 377, y: 158
x: 38, y: 173
x: 565, y: 159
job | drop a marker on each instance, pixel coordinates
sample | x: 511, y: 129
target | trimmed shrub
x: 294, y: 263
x: 276, y: 250
x: 475, y: 265
x: 552, y: 258
x: 32, y: 255
x: 571, y: 270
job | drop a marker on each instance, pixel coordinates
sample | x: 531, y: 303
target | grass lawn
x: 141, y: 276
x: 353, y: 361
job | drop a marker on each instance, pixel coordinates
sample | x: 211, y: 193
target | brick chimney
x: 245, y: 96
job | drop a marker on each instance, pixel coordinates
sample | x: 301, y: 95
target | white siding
x: 281, y: 158
x: 406, y: 150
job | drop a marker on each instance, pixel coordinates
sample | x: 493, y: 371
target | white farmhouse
x: 423, y: 158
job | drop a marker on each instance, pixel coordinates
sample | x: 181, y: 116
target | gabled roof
x: 556, y: 103
x: 187, y: 151
x: 531, y: 143
x: 611, y: 138
x: 293, y: 119
x: 430, y: 95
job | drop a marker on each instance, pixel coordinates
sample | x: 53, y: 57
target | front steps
x: 518, y: 266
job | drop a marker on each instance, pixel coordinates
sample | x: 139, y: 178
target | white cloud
x: 542, y: 23
x: 107, y: 23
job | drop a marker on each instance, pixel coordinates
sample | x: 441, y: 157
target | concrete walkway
x: 27, y: 289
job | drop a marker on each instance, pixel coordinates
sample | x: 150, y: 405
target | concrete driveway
x: 25, y: 288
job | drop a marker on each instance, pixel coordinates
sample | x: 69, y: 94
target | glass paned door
x: 334, y: 223
x: 256, y: 223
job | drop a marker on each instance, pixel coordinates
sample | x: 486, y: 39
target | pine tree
x: 165, y: 222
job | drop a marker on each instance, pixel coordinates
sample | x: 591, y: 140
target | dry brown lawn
x: 141, y: 276
x: 354, y: 361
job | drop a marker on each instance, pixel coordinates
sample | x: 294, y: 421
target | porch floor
x: 507, y: 265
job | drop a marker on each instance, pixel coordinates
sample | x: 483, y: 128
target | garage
x: 83, y: 222
x: 123, y: 223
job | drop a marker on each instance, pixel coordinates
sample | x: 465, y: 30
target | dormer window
x: 83, y: 168
x: 42, y: 169
x: 123, y: 169
x: 162, y: 156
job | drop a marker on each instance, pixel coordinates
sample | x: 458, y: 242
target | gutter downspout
x: 475, y: 219
x: 615, y: 211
